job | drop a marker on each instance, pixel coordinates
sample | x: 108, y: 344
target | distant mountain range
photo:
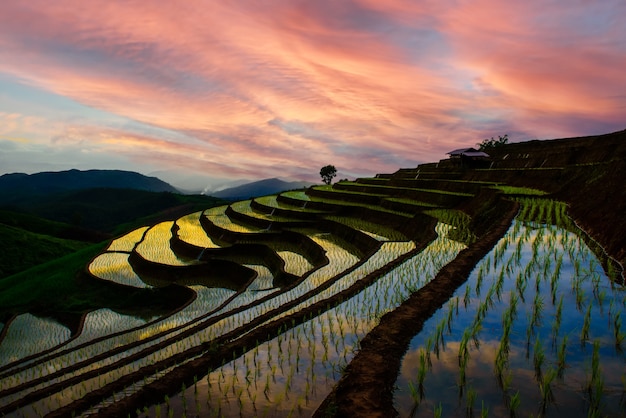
x: 259, y: 188
x: 19, y: 186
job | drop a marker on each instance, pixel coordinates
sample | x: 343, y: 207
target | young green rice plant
x: 484, y: 410
x: 514, y: 403
x: 545, y: 387
x: 470, y: 400
x: 561, y: 357
x: 595, y: 386
x: 584, y: 333
x: 617, y: 331
x: 538, y: 357
x: 438, y: 412
x: 556, y: 325
x: 421, y: 373
x: 537, y: 310
x: 467, y: 296
x: 479, y: 282
x: 520, y: 284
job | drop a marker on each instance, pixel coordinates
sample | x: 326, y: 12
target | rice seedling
x: 545, y: 387
x: 514, y: 403
x: 617, y: 331
x: 538, y: 357
x: 584, y: 333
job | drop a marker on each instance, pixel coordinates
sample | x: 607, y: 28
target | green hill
x: 21, y: 249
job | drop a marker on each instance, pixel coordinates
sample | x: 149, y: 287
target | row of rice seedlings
x: 456, y: 218
x: 191, y: 231
x: 264, y: 281
x: 332, y: 252
x: 260, y: 276
x: 114, y: 267
x: 341, y: 202
x: 295, y: 263
x: 234, y: 321
x: 28, y: 334
x: 411, y: 202
x: 272, y: 202
x: 231, y: 324
x: 551, y: 366
x: 519, y: 190
x: 340, y: 261
x: 375, y: 230
x: 330, y: 188
x: 127, y: 242
x: 292, y: 373
x: 298, y: 195
x: 176, y: 347
x: 437, y: 254
x: 218, y: 217
x: 155, y: 246
x: 245, y: 208
x: 70, y: 393
x: 340, y: 254
x: 208, y: 300
x: 229, y: 327
x: 388, y: 252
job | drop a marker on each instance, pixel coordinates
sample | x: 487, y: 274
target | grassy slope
x: 21, y: 249
x: 59, y: 287
x: 50, y: 281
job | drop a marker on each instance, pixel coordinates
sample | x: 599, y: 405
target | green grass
x: 32, y: 223
x: 527, y: 191
x: 58, y: 287
x: 411, y: 201
x: 21, y: 249
x: 396, y: 188
x: 51, y: 282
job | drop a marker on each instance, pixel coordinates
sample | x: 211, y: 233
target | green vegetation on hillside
x: 51, y: 283
x: 21, y: 249
x: 60, y: 286
x: 106, y: 209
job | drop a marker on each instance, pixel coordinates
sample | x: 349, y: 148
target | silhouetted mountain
x: 18, y: 186
x: 260, y: 188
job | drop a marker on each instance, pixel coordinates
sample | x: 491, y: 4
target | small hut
x: 470, y: 158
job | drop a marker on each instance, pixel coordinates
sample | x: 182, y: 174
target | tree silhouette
x: 488, y: 144
x: 328, y: 172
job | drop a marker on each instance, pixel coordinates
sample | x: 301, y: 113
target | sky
x: 253, y: 89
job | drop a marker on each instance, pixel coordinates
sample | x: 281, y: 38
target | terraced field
x: 295, y: 293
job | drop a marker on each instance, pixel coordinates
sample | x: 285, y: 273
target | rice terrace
x: 456, y: 288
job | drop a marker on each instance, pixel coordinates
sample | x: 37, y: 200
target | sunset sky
x: 279, y: 88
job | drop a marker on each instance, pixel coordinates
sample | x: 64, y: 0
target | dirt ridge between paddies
x: 367, y: 385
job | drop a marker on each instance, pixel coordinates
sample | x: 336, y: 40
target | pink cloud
x: 254, y: 88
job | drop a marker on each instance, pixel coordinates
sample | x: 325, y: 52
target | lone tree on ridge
x: 328, y: 172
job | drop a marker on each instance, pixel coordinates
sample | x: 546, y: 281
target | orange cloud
x: 366, y: 85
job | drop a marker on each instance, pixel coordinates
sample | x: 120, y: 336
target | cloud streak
x: 259, y: 89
